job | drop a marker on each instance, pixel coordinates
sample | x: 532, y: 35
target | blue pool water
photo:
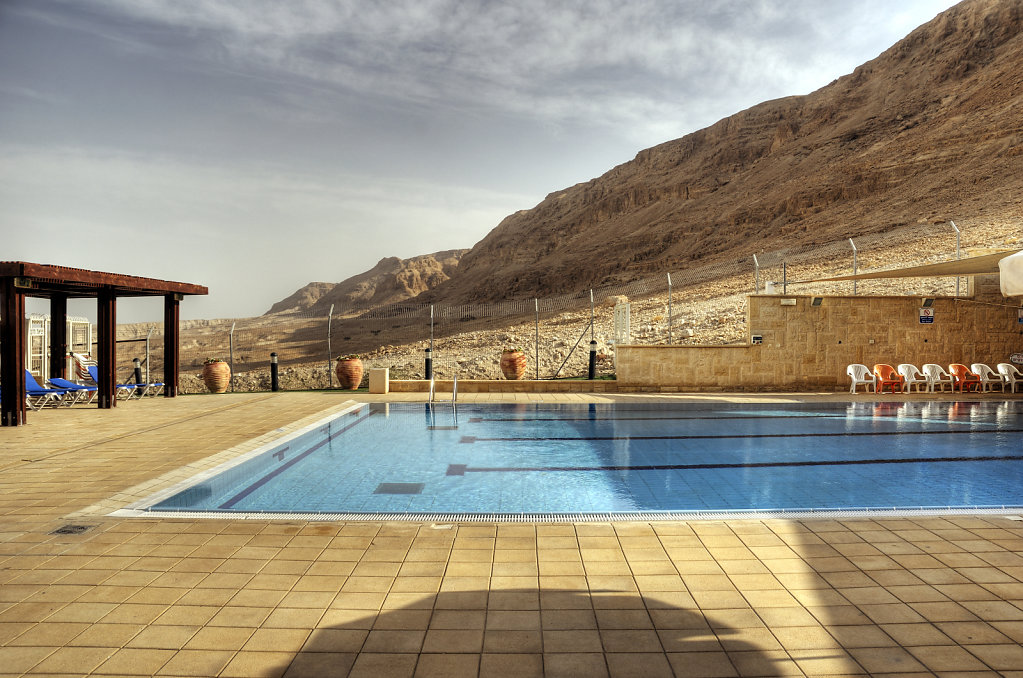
x: 624, y: 458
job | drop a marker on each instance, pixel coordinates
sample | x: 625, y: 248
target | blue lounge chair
x: 43, y: 396
x: 77, y: 390
x: 125, y: 390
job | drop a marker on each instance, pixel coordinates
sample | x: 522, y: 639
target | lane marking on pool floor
x: 476, y: 439
x: 462, y: 469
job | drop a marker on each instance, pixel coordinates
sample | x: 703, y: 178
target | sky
x: 254, y: 146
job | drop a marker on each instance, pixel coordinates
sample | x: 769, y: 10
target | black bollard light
x: 429, y: 363
x: 138, y: 370
x: 274, y: 383
x: 593, y: 359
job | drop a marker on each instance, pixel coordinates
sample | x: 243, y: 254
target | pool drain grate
x: 72, y: 529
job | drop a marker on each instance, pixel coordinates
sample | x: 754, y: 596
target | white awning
x: 987, y: 264
x: 1011, y: 274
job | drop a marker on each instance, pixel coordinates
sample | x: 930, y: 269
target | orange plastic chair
x: 887, y: 376
x: 964, y: 378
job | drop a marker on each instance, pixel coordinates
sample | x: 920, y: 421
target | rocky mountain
x: 932, y: 129
x: 392, y: 280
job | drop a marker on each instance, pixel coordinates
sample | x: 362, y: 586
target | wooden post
x: 58, y: 336
x: 106, y: 325
x: 12, y: 363
x: 171, y: 356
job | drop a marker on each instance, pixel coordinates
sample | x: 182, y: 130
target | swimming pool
x: 620, y: 460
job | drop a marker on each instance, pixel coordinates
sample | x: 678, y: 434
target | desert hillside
x: 929, y: 130
x: 391, y: 281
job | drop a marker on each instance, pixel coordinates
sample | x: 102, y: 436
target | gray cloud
x: 636, y: 65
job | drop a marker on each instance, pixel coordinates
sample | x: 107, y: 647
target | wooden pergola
x: 20, y: 279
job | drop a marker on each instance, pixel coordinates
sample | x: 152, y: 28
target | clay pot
x: 513, y: 364
x: 349, y: 373
x: 216, y: 376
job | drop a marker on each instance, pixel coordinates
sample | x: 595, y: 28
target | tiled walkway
x: 909, y: 597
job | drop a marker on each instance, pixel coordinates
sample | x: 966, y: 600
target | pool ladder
x: 454, y: 390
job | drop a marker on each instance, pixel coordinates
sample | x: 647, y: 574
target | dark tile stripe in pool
x: 288, y: 464
x: 474, y: 439
x: 462, y: 469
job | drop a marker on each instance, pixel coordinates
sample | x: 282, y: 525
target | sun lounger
x: 79, y: 391
x: 124, y: 391
x: 43, y: 396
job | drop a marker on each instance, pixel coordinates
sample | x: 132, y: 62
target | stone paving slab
x: 927, y: 596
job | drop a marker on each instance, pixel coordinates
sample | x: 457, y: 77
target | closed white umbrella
x: 1010, y: 273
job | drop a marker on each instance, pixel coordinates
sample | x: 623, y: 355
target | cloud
x: 253, y: 235
x: 637, y: 65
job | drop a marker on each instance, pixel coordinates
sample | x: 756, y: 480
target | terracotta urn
x: 513, y: 364
x: 216, y: 376
x: 349, y: 372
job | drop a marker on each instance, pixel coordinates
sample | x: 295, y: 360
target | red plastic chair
x: 964, y: 378
x: 886, y: 376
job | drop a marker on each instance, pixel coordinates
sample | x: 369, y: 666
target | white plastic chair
x: 988, y: 377
x: 1010, y: 375
x: 937, y: 376
x: 911, y: 376
x: 860, y: 374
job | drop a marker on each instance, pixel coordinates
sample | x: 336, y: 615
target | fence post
x: 784, y: 277
x: 756, y: 275
x: 231, y: 357
x: 148, y: 381
x: 855, y: 251
x: 536, y: 350
x: 957, y: 250
x: 669, y: 309
x: 330, y: 358
x: 591, y: 314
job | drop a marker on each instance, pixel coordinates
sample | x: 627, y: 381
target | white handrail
x: 454, y: 389
x: 432, y: 386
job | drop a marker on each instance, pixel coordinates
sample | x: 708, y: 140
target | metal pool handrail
x: 454, y: 389
x: 432, y: 386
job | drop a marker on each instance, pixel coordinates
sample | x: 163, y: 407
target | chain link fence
x: 704, y: 304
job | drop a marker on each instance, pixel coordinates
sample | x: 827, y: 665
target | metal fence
x: 704, y: 304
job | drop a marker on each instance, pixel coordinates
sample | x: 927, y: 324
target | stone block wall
x: 807, y: 348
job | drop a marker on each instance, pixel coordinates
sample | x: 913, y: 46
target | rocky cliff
x: 391, y: 281
x: 931, y: 129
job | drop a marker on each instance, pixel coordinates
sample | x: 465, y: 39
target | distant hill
x: 931, y: 129
x: 392, y: 280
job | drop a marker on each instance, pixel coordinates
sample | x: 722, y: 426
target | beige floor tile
x: 1001, y: 657
x: 501, y: 665
x: 622, y: 641
x: 136, y: 661
x: 572, y: 640
x: 447, y: 666
x: 163, y: 637
x: 388, y: 640
x: 575, y: 665
x: 264, y: 664
x: 973, y: 633
x: 638, y: 665
x: 886, y: 660
x: 384, y: 666
x: 72, y: 660
x: 453, y: 641
x: 942, y: 658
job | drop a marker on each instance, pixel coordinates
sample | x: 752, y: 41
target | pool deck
x: 923, y: 596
